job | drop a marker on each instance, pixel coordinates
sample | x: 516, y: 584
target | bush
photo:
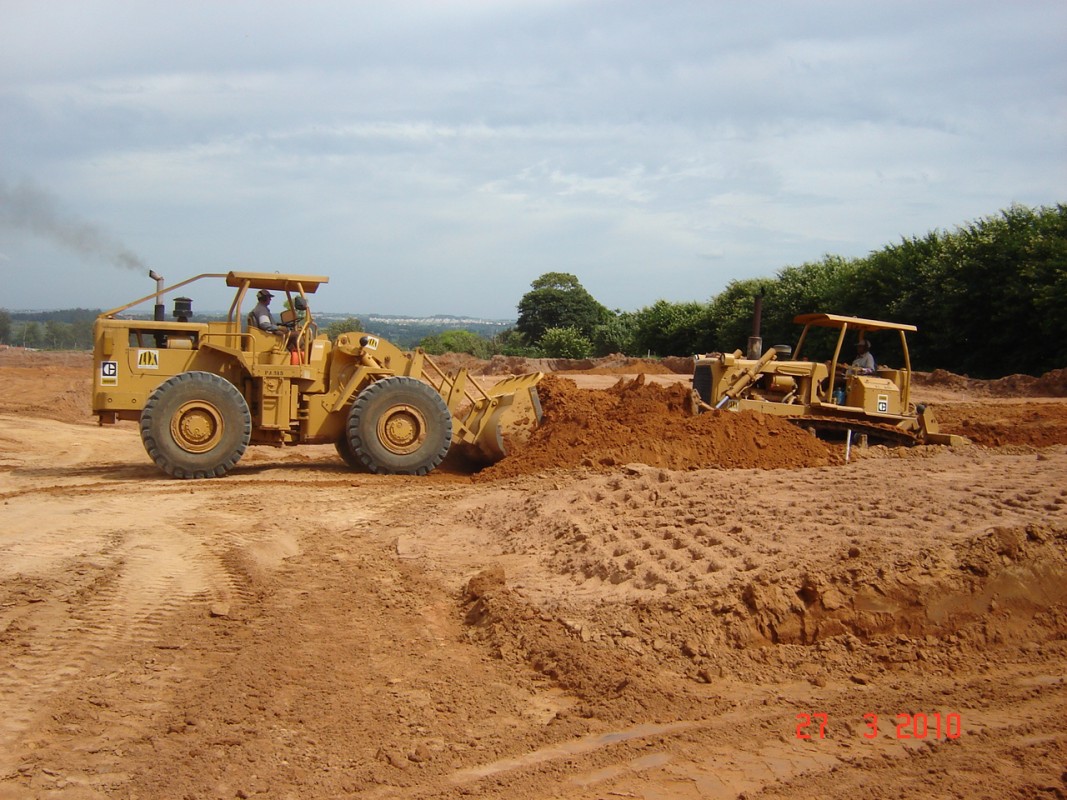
x: 457, y: 341
x: 565, y: 343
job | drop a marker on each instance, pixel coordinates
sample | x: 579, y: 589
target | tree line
x: 989, y: 299
x: 49, y: 332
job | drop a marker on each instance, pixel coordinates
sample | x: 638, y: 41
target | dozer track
x: 876, y: 432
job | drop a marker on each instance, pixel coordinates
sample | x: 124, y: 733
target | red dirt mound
x: 638, y: 422
x: 1051, y: 384
x: 1035, y: 423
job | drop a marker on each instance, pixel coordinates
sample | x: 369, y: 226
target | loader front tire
x: 196, y: 425
x: 347, y: 454
x: 399, y: 426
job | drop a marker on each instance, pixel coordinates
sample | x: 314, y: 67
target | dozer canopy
x: 856, y: 323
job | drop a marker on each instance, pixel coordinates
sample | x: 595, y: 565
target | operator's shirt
x: 262, y: 318
x: 864, y: 362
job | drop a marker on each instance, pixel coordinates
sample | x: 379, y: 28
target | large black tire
x: 196, y: 425
x: 399, y: 426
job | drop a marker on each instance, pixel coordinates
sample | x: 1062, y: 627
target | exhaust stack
x: 755, y: 341
x: 160, y: 312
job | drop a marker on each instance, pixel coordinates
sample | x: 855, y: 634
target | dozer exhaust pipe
x: 755, y: 341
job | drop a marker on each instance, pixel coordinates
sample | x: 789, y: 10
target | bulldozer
x: 202, y: 392
x: 823, y: 394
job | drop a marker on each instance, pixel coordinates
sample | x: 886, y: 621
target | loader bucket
x: 509, y: 413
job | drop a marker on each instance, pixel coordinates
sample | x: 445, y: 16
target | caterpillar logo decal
x: 148, y: 359
x: 109, y: 373
x: 883, y: 403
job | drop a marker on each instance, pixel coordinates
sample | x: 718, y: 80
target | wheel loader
x: 202, y: 392
x: 813, y: 387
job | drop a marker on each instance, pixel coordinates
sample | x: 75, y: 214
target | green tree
x: 565, y: 343
x: 346, y: 325
x: 5, y: 327
x: 987, y: 297
x: 558, y: 300
x: 820, y: 286
x: 81, y: 334
x: 512, y: 343
x: 31, y: 334
x: 731, y: 314
x: 57, y: 335
x: 456, y: 341
x: 673, y: 329
x: 995, y: 279
x: 616, y: 335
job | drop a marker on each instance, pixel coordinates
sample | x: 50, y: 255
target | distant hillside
x: 409, y: 331
x: 405, y: 332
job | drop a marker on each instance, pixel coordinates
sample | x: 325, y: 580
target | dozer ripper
x: 825, y: 396
x: 202, y: 392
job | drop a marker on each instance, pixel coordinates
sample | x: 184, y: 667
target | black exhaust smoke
x: 27, y: 208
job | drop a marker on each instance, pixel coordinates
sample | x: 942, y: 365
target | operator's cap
x: 263, y: 294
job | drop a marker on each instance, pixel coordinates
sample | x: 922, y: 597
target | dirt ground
x: 638, y: 604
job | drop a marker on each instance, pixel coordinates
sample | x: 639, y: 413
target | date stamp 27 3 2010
x: 816, y: 725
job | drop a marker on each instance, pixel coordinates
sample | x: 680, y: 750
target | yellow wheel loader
x: 813, y: 387
x: 202, y: 392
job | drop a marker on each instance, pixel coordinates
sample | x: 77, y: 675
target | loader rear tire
x: 196, y: 425
x: 399, y: 426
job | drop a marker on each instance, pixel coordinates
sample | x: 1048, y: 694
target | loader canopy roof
x: 277, y: 282
x: 856, y: 323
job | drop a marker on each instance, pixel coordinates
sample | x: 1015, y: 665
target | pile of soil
x: 1051, y: 384
x: 646, y: 423
x: 1038, y: 424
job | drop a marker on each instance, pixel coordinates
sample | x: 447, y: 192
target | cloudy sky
x: 436, y: 156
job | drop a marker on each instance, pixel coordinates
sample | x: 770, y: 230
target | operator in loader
x: 260, y: 316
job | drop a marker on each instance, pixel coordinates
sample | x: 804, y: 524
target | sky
x: 437, y: 156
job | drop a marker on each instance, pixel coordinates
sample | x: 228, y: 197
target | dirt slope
x: 629, y: 607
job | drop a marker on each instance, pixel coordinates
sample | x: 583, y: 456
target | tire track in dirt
x: 116, y: 600
x: 125, y: 576
x: 129, y: 577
